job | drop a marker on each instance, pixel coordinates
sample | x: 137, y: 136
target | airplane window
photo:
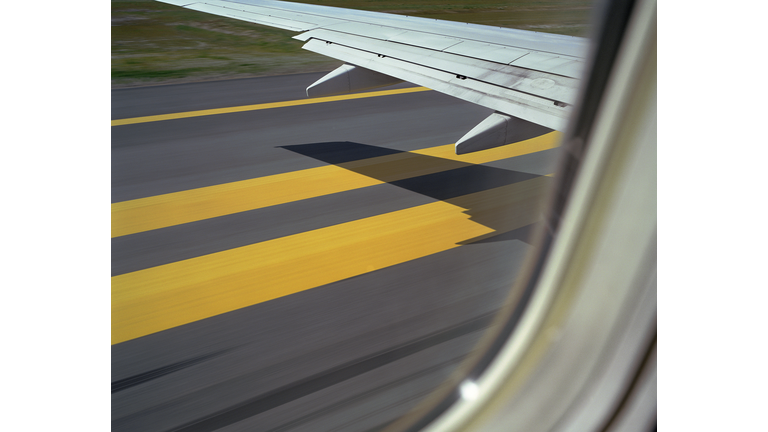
x: 337, y: 262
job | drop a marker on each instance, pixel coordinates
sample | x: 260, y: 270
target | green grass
x: 163, y: 74
x: 155, y: 42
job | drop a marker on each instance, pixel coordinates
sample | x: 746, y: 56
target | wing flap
x: 371, y: 31
x: 425, y: 40
x: 553, y: 87
x: 525, y: 106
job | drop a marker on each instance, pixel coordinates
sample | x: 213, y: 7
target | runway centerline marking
x: 167, y: 296
x: 214, y: 111
x: 160, y: 211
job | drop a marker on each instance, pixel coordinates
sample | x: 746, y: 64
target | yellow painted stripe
x: 144, y: 214
x: 167, y: 296
x: 215, y: 111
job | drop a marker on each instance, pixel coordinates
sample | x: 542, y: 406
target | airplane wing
x: 519, y: 74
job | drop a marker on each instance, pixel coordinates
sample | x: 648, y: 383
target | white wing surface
x: 528, y: 75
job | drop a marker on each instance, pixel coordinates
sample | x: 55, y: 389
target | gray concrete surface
x: 351, y: 355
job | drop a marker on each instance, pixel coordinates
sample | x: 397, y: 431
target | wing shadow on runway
x: 506, y: 201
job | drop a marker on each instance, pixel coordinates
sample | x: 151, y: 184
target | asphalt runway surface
x: 313, y: 267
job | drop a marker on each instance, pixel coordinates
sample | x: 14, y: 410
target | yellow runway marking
x: 144, y: 214
x: 208, y: 112
x: 167, y: 296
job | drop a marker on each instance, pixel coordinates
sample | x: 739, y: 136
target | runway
x: 285, y: 264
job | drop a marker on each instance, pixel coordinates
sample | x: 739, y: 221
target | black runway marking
x: 141, y: 378
x: 312, y: 384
